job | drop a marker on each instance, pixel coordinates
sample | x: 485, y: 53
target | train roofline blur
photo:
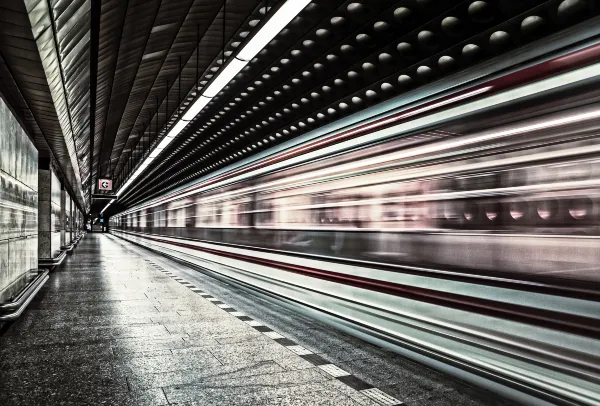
x: 530, y: 56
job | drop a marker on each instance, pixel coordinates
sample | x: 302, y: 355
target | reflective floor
x: 117, y: 324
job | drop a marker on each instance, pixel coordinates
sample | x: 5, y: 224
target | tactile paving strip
x: 298, y: 349
x: 333, y: 370
x: 352, y: 381
x: 380, y: 397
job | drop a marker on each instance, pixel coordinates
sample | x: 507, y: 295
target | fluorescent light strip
x: 225, y: 76
x: 106, y: 207
x: 196, y: 108
x: 282, y: 17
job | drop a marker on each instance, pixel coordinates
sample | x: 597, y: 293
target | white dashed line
x: 298, y: 349
x: 272, y: 334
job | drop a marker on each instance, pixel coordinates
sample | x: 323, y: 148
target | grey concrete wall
x: 18, y: 205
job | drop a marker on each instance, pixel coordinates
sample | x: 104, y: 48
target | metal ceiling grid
x: 409, y: 44
x: 24, y: 84
x: 204, y: 22
x: 252, y: 22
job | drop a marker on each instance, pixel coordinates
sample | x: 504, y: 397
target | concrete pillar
x: 49, y: 236
x: 63, y: 217
x: 68, y: 220
x: 18, y: 205
x: 71, y: 221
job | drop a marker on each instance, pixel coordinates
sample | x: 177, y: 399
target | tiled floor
x: 110, y: 328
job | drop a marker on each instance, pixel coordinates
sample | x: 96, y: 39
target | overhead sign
x: 105, y: 184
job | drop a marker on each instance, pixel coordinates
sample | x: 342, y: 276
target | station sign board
x: 105, y: 184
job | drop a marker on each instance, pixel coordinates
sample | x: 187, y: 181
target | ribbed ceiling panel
x: 61, y: 29
x: 28, y: 89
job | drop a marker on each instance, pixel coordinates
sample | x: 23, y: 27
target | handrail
x: 24, y: 298
x: 53, y: 261
x: 68, y: 247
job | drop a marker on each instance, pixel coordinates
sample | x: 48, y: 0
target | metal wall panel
x: 18, y: 205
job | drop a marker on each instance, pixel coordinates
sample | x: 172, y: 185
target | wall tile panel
x: 18, y: 205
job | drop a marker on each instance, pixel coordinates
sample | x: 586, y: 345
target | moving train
x: 471, y: 244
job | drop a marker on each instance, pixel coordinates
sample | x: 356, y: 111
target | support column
x: 63, y: 217
x: 49, y: 209
x: 71, y: 221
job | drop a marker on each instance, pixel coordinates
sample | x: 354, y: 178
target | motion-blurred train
x: 467, y: 238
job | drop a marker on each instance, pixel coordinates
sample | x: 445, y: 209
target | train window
x: 518, y: 210
x: 243, y: 217
x: 581, y: 208
x: 578, y: 171
x: 265, y: 214
x: 492, y: 211
x: 391, y: 211
x: 547, y: 209
x: 471, y: 211
x: 546, y: 174
x: 451, y: 211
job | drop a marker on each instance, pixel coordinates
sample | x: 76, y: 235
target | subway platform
x: 120, y: 325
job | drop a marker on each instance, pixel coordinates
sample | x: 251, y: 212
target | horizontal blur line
x: 521, y: 282
x: 569, y: 323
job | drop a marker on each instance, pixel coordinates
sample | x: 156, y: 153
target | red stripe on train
x: 565, y: 322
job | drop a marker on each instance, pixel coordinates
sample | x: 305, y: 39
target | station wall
x: 18, y: 205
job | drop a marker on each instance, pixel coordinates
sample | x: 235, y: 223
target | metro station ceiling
x: 128, y: 69
x: 334, y: 59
